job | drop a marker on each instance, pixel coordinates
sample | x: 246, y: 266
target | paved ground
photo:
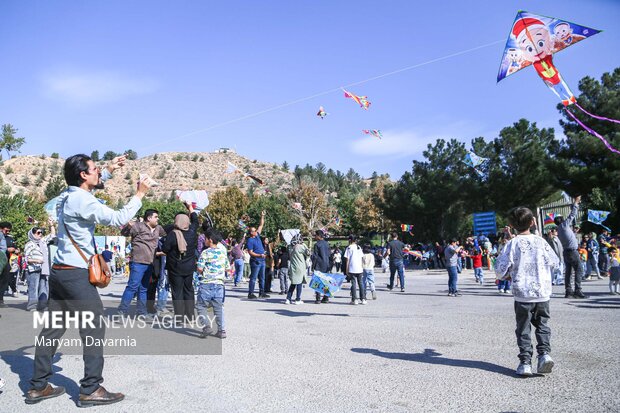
x: 418, y: 351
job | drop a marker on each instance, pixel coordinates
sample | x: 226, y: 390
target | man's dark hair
x: 6, y: 224
x: 74, y: 166
x: 453, y: 240
x: 319, y: 233
x: 107, y: 246
x: 214, y: 235
x: 149, y: 213
x: 520, y: 218
x: 394, y: 234
x: 367, y: 249
x: 558, y: 220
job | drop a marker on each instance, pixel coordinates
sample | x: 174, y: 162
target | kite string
x: 593, y: 132
x: 326, y: 92
x: 596, y: 116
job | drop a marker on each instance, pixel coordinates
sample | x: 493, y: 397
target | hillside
x: 172, y: 170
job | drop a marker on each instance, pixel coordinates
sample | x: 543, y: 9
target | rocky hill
x: 172, y: 170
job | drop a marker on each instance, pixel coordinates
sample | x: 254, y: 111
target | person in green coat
x: 298, y: 253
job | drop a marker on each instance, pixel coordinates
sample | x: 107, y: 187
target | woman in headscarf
x: 298, y: 253
x: 180, y: 249
x: 38, y: 269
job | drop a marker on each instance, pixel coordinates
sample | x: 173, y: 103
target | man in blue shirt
x: 257, y: 260
x: 70, y: 289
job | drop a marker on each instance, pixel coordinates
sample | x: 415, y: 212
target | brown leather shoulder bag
x: 99, y: 273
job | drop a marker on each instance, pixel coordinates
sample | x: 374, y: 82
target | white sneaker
x: 524, y: 370
x: 287, y: 301
x: 364, y: 302
x: 299, y: 302
x: 545, y: 364
x: 353, y: 302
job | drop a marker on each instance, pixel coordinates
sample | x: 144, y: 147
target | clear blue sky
x: 117, y: 75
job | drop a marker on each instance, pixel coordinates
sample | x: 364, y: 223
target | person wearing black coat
x: 320, y: 260
x: 180, y: 249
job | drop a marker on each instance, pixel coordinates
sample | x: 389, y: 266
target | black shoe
x: 252, y: 297
x: 568, y: 294
x: 579, y: 294
x: 402, y: 290
x: 317, y: 301
x: 389, y: 287
x: 264, y: 296
x: 325, y: 299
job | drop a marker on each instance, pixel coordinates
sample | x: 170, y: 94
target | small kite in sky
x: 597, y: 217
x: 321, y: 113
x: 473, y: 160
x: 374, y: 132
x: 533, y: 40
x: 232, y: 168
x: 360, y: 100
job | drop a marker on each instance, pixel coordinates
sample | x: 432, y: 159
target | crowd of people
x: 194, y: 262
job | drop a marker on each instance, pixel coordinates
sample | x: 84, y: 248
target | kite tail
x: 596, y: 116
x: 593, y: 132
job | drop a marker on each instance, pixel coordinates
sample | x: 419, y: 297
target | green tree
x: 9, y: 142
x: 285, y: 166
x: 195, y: 176
x: 226, y: 207
x: 54, y: 155
x: 55, y: 186
x: 94, y: 155
x: 582, y: 165
x: 109, y: 155
x: 16, y: 209
x: 131, y: 154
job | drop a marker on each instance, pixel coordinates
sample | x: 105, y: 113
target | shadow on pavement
x: 290, y: 313
x: 22, y: 366
x: 598, y: 301
x: 430, y: 356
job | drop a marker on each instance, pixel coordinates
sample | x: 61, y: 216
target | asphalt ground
x: 417, y: 351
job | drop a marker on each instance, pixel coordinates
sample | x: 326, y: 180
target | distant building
x: 225, y: 150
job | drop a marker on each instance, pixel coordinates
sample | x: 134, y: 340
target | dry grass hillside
x: 172, y: 170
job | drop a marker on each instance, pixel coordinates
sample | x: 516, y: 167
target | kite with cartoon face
x: 536, y: 38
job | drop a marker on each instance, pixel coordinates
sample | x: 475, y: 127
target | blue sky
x: 158, y: 76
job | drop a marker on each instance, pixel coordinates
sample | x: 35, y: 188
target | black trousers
x: 182, y: 288
x: 4, y: 279
x: 528, y: 315
x: 71, y: 292
x: 268, y: 277
x: 572, y: 263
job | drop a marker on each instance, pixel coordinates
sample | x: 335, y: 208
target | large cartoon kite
x: 473, y: 160
x: 374, y: 132
x: 532, y: 41
x: 360, y: 100
x: 232, y: 168
x: 598, y: 217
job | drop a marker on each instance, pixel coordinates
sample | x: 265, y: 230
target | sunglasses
x: 38, y: 233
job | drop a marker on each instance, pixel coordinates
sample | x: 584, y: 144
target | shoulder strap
x: 79, y: 250
x: 75, y: 245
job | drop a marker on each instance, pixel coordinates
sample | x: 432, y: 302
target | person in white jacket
x: 528, y: 260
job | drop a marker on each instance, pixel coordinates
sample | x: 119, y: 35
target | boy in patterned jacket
x: 528, y: 260
x: 212, y: 267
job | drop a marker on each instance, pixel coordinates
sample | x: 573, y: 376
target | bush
x: 54, y: 155
x: 8, y: 170
x: 195, y: 176
x: 155, y: 157
x: 178, y: 157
